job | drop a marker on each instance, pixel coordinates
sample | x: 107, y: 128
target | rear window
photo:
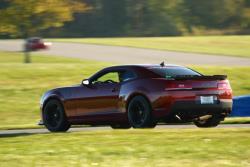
x: 172, y: 72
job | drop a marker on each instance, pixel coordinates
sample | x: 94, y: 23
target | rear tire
x: 140, y: 113
x: 209, y: 123
x: 54, y: 117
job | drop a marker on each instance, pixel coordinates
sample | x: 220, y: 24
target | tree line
x: 103, y: 18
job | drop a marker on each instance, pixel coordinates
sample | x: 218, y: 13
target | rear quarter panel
x: 150, y: 88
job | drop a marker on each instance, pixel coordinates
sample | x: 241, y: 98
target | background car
x: 139, y: 96
x: 36, y: 43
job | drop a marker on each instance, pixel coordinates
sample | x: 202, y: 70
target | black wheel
x: 140, y: 113
x: 211, y: 122
x: 54, y: 117
x: 120, y: 126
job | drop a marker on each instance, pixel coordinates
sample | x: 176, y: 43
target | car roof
x: 142, y: 69
x: 143, y: 66
x: 31, y: 39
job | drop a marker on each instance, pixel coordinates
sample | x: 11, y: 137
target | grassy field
x: 219, y: 45
x: 21, y: 85
x: 147, y: 148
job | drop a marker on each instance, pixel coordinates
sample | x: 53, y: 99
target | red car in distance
x: 139, y: 96
x: 36, y: 43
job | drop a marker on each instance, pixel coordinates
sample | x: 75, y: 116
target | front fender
x: 53, y: 94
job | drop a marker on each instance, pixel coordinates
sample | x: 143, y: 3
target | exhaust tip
x: 204, y: 117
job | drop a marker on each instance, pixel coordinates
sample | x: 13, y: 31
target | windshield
x: 172, y: 72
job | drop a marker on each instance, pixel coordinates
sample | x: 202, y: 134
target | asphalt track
x: 14, y: 133
x: 128, y: 55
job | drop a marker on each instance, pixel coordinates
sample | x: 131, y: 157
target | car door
x: 101, y: 96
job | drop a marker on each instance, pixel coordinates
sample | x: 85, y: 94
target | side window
x: 127, y: 75
x: 108, y: 78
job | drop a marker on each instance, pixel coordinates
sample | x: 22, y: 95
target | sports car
x: 35, y: 44
x: 139, y: 96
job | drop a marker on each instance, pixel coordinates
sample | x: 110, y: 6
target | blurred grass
x: 219, y: 45
x: 22, y: 85
x: 135, y: 148
x: 237, y: 120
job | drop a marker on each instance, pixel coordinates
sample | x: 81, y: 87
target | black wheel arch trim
x: 50, y: 97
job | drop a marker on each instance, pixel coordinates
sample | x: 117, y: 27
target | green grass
x: 135, y: 148
x: 22, y: 85
x: 219, y: 45
x: 237, y: 120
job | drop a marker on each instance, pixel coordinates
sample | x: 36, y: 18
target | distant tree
x: 153, y: 17
x: 218, y: 14
x: 125, y: 18
x: 162, y: 17
x: 245, y: 21
x: 24, y: 18
x: 113, y: 17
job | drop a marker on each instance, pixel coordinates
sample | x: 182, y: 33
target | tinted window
x: 171, y: 72
x: 127, y: 75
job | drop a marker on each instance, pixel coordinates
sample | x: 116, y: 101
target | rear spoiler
x: 202, y: 77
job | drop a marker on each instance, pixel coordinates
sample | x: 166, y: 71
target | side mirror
x: 85, y: 82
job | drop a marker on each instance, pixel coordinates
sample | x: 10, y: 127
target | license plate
x: 207, y: 99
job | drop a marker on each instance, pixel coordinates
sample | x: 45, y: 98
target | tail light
x: 223, y: 85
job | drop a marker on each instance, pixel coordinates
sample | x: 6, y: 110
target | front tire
x: 140, y: 113
x: 209, y: 123
x: 54, y: 117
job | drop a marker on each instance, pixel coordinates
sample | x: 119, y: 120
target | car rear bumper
x: 189, y: 110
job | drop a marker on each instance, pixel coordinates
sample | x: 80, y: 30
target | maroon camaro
x: 139, y: 96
